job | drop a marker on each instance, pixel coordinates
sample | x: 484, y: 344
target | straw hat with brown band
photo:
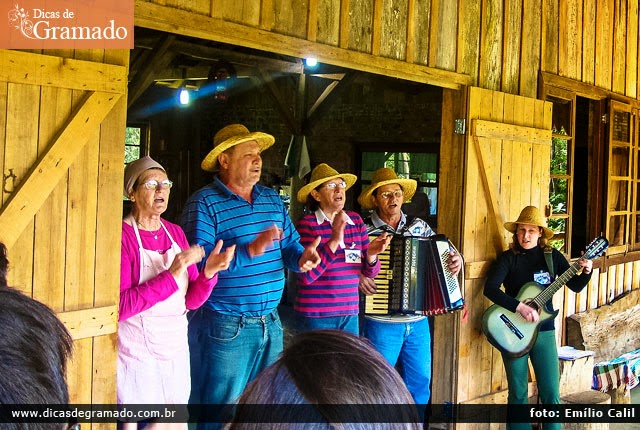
x: 382, y: 177
x: 530, y: 215
x: 230, y: 136
x: 323, y: 173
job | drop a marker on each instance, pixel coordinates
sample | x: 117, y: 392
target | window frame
x: 599, y: 197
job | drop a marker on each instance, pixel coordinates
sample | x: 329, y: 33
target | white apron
x: 153, y: 350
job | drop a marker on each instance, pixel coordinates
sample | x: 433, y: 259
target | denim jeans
x: 544, y: 358
x: 228, y: 352
x: 407, y: 344
x: 346, y: 323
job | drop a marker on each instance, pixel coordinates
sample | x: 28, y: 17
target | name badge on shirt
x: 542, y: 278
x: 352, y: 256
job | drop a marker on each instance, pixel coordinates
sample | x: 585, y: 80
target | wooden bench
x: 611, y: 332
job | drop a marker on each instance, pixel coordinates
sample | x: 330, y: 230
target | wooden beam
x: 511, y: 132
x: 208, y: 53
x: 90, y: 322
x: 160, y: 58
x: 326, y: 99
x: 19, y: 211
x: 164, y: 18
x: 44, y: 70
x: 266, y: 80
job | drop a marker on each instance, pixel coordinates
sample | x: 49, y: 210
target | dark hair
x: 327, y: 370
x: 4, y: 265
x: 515, y: 244
x: 34, y: 348
x: 312, y: 204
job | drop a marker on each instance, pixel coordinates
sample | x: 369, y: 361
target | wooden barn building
x: 491, y: 105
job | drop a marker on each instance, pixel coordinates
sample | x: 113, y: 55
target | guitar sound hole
x: 532, y: 304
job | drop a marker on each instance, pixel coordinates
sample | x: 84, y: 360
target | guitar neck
x: 546, y: 294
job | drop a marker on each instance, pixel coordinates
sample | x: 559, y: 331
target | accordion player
x: 415, y: 279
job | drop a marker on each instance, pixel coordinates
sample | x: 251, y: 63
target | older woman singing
x: 159, y: 281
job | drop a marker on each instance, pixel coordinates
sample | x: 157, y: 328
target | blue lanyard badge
x: 542, y: 278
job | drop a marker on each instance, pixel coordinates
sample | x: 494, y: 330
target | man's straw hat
x: 232, y: 135
x: 323, y: 173
x: 382, y: 177
x: 530, y: 215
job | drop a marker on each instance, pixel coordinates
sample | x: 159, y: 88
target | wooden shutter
x: 62, y: 123
x: 506, y: 168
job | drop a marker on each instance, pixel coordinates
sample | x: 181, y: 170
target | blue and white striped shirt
x: 250, y: 286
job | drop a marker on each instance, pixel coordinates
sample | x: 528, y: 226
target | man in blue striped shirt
x: 237, y: 332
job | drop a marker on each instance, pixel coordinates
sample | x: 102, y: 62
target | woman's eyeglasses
x: 155, y: 185
x: 390, y: 194
x: 334, y: 185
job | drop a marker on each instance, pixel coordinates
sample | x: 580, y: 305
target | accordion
x: 414, y: 278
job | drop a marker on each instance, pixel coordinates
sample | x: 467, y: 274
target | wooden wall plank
x: 359, y: 33
x: 471, y: 186
x: 589, y: 41
x: 576, y: 39
x: 411, y: 31
x: 393, y: 36
x: 530, y: 57
x: 312, y: 21
x: 620, y: 47
x: 20, y: 152
x: 32, y: 69
x: 266, y: 15
x: 327, y: 22
x: 604, y: 43
x: 491, y: 44
x: 443, y: 35
x: 492, y: 373
x: 594, y: 289
x: 377, y: 27
x: 49, y: 244
x: 420, y: 35
x: 511, y: 48
x: 251, y: 12
x: 469, y: 37
x: 632, y: 49
x: 290, y: 18
x: 635, y: 284
x: 550, y: 35
x: 81, y: 241
x: 345, y: 27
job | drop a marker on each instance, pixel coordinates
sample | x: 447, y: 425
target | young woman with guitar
x: 525, y: 262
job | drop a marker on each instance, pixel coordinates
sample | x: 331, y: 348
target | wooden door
x: 506, y: 168
x: 62, y: 123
